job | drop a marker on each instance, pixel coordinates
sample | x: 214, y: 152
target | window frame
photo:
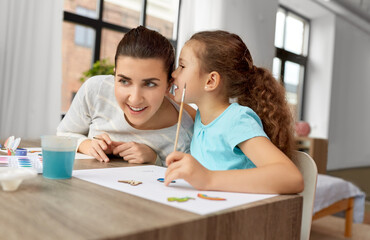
x: 98, y: 25
x: 302, y: 60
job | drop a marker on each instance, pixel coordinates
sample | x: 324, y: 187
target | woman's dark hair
x: 255, y: 87
x: 143, y: 43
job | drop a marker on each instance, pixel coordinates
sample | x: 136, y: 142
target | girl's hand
x: 184, y: 166
x: 135, y: 152
x: 100, y: 146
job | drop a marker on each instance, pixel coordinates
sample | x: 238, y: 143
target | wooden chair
x: 307, y: 167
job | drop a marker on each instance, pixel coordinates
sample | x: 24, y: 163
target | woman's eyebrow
x: 144, y: 80
x: 151, y: 79
x: 123, y: 76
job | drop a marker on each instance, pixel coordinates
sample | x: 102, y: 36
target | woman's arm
x: 77, y: 120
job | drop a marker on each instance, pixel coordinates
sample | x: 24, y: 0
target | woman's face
x: 189, y: 72
x: 140, y: 87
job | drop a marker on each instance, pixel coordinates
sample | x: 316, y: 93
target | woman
x: 129, y: 114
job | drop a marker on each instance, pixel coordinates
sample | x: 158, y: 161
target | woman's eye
x: 123, y: 81
x: 151, y: 84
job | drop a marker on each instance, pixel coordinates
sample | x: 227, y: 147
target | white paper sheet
x: 156, y: 191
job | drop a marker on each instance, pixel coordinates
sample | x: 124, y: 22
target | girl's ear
x: 213, y: 81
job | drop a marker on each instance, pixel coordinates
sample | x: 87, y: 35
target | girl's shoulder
x: 244, y: 113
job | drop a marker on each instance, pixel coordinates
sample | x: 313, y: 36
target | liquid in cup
x: 58, y: 155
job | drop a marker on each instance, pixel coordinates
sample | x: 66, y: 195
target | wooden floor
x: 330, y: 228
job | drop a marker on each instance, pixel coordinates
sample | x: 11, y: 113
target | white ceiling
x: 358, y: 7
x: 306, y: 8
x: 355, y: 11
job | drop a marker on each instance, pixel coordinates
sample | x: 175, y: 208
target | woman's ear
x: 213, y: 81
x: 114, y: 71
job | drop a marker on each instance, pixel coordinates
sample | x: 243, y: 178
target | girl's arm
x: 275, y: 173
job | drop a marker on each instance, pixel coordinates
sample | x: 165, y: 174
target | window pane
x: 125, y: 13
x: 279, y: 31
x: 76, y: 59
x: 161, y: 15
x: 293, y: 78
x: 87, y: 8
x: 109, y: 42
x: 294, y: 35
x: 276, y: 68
x: 84, y: 36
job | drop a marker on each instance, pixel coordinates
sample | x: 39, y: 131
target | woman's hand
x: 184, y: 166
x: 135, y: 152
x: 100, y: 146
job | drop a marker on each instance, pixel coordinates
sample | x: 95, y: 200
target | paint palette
x: 27, y: 162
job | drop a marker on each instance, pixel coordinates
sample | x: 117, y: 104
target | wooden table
x: 75, y: 209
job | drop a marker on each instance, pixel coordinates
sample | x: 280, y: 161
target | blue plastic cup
x: 58, y: 155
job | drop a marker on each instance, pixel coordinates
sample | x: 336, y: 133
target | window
x: 289, y: 65
x: 84, y: 36
x: 92, y: 30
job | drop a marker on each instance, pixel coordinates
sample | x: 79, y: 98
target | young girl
x: 129, y: 114
x: 238, y: 147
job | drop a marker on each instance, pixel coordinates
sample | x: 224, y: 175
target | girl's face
x: 189, y: 72
x: 140, y: 87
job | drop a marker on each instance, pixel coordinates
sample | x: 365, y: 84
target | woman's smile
x: 136, y: 110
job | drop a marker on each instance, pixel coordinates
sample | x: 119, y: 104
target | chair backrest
x: 307, y: 167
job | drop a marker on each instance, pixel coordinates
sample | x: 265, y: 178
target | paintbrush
x: 180, y: 117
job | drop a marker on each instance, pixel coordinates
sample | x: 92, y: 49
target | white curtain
x: 30, y: 67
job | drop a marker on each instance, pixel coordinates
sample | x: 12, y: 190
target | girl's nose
x: 173, y: 74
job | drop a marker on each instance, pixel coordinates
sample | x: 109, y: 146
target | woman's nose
x: 135, y: 96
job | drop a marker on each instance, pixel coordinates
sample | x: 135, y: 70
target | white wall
x: 253, y: 21
x: 338, y: 82
x: 198, y: 15
x: 319, y: 75
x: 349, y: 129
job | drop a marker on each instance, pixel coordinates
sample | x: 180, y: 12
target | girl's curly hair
x: 255, y: 87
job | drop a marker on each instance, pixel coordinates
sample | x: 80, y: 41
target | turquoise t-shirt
x: 215, y: 145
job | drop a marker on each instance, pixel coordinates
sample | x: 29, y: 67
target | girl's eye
x: 181, y: 66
